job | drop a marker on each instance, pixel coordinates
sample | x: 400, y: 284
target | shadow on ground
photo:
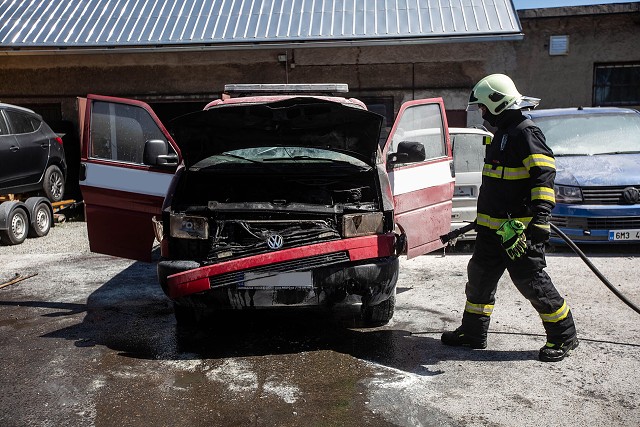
x: 131, y: 315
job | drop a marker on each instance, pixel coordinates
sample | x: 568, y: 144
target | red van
x: 283, y: 196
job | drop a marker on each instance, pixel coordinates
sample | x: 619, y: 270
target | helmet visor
x: 525, y: 102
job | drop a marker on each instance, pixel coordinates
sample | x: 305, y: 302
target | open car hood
x: 296, y: 121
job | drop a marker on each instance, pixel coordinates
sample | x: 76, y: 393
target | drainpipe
x: 413, y: 80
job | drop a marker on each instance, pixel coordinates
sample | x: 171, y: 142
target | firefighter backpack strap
x: 522, y: 125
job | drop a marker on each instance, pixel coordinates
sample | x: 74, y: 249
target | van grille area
x: 605, y: 195
x: 596, y: 223
x: 237, y: 238
x: 229, y: 279
x: 613, y: 223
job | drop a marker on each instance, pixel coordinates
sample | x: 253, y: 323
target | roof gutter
x: 575, y: 11
x: 79, y: 50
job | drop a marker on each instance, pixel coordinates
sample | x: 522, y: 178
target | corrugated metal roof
x: 228, y: 23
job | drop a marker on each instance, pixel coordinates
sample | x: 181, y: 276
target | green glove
x: 513, y: 239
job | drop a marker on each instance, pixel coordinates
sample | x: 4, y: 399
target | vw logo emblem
x: 631, y: 195
x: 275, y: 241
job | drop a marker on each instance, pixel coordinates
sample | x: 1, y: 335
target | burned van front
x: 279, y: 203
x: 272, y: 195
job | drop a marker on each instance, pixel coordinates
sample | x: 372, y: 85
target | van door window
x: 422, y: 124
x: 119, y: 132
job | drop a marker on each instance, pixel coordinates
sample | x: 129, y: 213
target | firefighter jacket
x: 518, y: 174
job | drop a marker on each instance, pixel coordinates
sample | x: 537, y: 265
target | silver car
x: 468, y: 159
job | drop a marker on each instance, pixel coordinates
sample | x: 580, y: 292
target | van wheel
x: 379, y: 314
x: 53, y: 183
x: 18, y: 228
x: 42, y: 221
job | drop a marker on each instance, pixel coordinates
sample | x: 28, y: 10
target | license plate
x: 291, y: 280
x: 615, y: 235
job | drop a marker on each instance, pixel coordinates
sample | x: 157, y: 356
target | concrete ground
x: 90, y: 340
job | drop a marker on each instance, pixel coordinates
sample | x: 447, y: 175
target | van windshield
x: 281, y: 155
x: 591, y: 134
x: 468, y: 152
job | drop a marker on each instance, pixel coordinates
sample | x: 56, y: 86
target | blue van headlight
x: 566, y: 194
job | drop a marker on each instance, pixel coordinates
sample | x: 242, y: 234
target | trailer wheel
x: 41, y: 221
x: 18, y: 227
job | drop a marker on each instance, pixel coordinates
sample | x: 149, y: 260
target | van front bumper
x: 325, y: 273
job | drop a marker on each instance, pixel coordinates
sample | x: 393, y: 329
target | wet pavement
x: 118, y: 360
x: 91, y: 340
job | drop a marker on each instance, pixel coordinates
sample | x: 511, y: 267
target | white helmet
x: 498, y: 93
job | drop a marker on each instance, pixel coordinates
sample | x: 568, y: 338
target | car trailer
x: 29, y: 217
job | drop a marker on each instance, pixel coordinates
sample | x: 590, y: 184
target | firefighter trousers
x: 487, y: 265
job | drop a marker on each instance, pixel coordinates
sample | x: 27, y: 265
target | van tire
x: 379, y: 314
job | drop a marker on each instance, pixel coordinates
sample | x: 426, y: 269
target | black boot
x: 458, y: 338
x: 552, y: 352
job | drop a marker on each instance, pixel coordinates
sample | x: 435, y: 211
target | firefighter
x: 514, y: 205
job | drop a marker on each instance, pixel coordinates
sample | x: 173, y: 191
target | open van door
x: 422, y: 190
x: 128, y: 160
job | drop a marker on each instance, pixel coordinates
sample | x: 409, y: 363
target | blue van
x: 597, y: 185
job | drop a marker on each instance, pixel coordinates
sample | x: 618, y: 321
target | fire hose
x: 594, y: 269
x: 455, y: 233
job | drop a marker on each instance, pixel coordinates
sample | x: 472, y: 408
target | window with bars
x: 616, y: 85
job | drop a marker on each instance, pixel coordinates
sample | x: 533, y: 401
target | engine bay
x: 250, y: 208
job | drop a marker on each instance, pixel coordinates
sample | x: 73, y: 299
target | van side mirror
x: 408, y: 152
x: 156, y: 153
